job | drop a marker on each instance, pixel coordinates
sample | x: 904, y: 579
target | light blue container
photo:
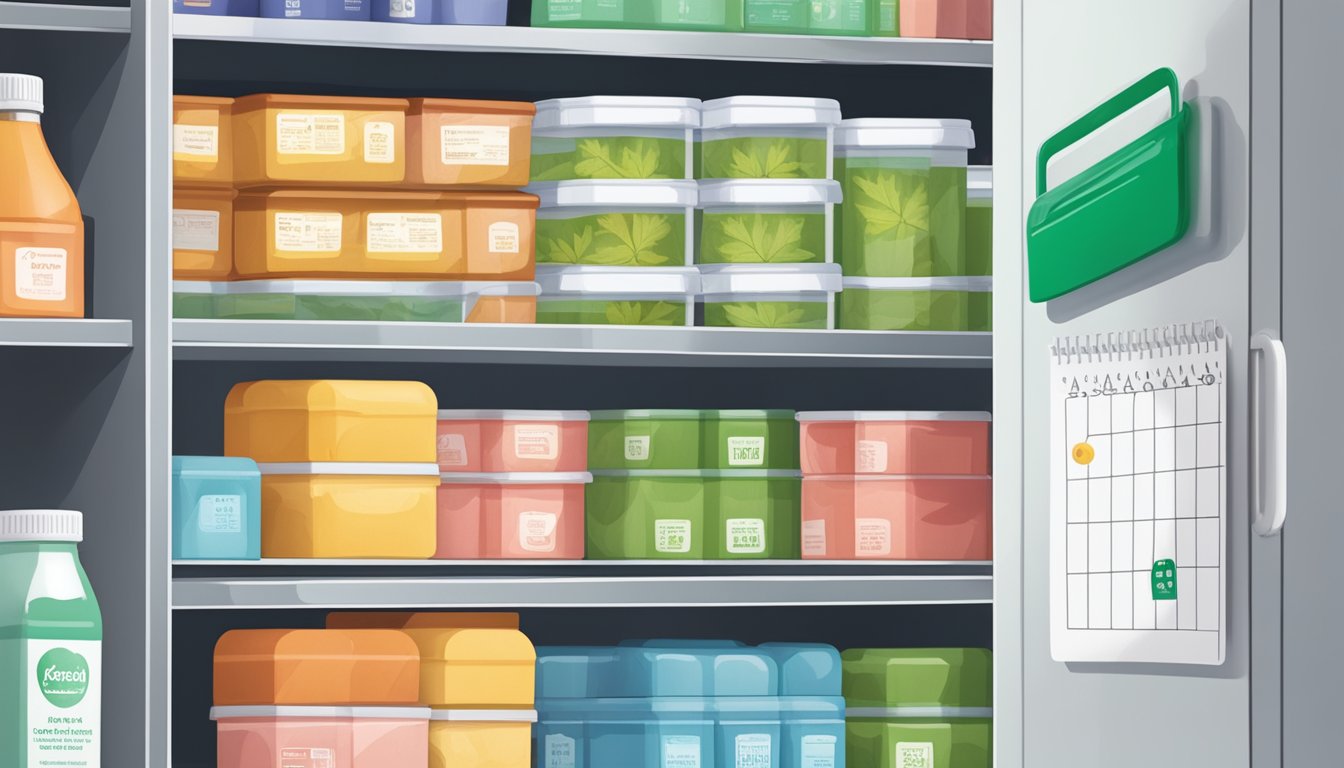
x: 707, y: 670
x: 341, y: 10
x: 576, y: 672
x: 665, y: 732
x: 493, y: 13
x: 216, y: 508
x: 812, y: 711
x: 747, y: 731
x: 404, y: 11
x: 806, y: 669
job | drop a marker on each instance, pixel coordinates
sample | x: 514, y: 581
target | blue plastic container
x: 812, y: 711
x: 806, y: 669
x: 493, y: 13
x: 216, y: 508
x: 706, y: 670
x: 675, y: 732
x: 341, y: 10
x: 216, y: 7
x: 404, y: 11
x: 576, y: 672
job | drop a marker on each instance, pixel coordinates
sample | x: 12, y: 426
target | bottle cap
x: 20, y: 93
x: 41, y: 525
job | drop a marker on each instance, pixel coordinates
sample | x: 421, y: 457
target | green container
x: 886, y: 17
x: 646, y: 515
x: 747, y: 439
x: 645, y: 439
x: 51, y: 633
x: 797, y: 296
x: 904, y: 186
x: 616, y: 223
x: 584, y: 13
x: 614, y: 137
x: 753, y: 514
x: 915, y: 304
x: 766, y: 221
x: 705, y: 15
x: 195, y: 300
x: 766, y: 137
x: 898, y: 742
x: 599, y: 295
x: 980, y: 220
x: 841, y: 17
x: 788, y: 17
x: 356, y: 300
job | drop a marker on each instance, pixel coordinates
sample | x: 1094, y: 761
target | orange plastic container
x: 423, y: 620
x: 957, y: 19
x: 513, y: 441
x: 283, y: 140
x: 411, y: 235
x: 202, y: 141
x: 894, y: 442
x: 469, y: 143
x: 322, y: 737
x: 41, y: 229
x: 202, y: 233
x: 517, y: 515
x: 885, y: 517
x: 316, y: 667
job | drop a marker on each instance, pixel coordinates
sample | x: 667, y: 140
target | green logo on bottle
x: 63, y: 677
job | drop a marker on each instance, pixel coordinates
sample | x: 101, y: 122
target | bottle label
x: 196, y: 141
x: 64, y: 728
x: 405, y: 233
x: 504, y: 237
x: 220, y: 513
x: 536, y: 531
x: 474, y: 145
x: 746, y: 451
x: 309, y: 134
x: 818, y: 751
x: 40, y: 273
x: 536, y: 441
x: 195, y: 230
x: 380, y: 142
x: 672, y: 537
x: 308, y: 232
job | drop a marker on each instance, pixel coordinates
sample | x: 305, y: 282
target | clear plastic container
x: 481, y: 738
x: 334, y: 10
x: 378, y: 301
x: 895, y: 442
x: 315, y: 667
x: 766, y: 221
x: 593, y: 295
x: 512, y: 441
x: 468, y: 143
x: 646, y: 439
x: 216, y: 508
x: 897, y: 517
x: 770, y: 296
x: 980, y: 220
x: 203, y: 132
x: 917, y: 304
x: 614, y: 137
x: 511, y: 515
x: 904, y: 209
x: 202, y: 233
x: 616, y: 222
x: 331, y: 737
x: 318, y: 141
x: 767, y: 137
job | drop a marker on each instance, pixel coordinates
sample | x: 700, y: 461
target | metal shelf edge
x: 24, y: 332
x: 64, y: 18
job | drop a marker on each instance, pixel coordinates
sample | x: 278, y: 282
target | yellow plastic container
x: 480, y: 738
x: 473, y: 668
x: 202, y: 233
x: 331, y: 420
x: 434, y: 620
x: 318, y: 141
x: 202, y: 141
x: 410, y: 235
x: 333, y: 510
x: 316, y: 667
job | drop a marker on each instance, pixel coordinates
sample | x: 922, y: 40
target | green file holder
x: 1129, y: 206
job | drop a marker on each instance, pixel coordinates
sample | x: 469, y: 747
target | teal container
x: 806, y: 669
x: 743, y: 439
x: 645, y: 439
x: 645, y: 515
x: 753, y: 514
x: 747, y: 732
x: 812, y: 710
x: 576, y: 672
x: 656, y: 732
x: 713, y: 669
x: 216, y: 508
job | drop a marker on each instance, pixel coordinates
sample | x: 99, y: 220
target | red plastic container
x: 958, y: 19
x: 883, y: 517
x: 894, y: 442
x: 523, y: 516
x: 322, y: 737
x: 513, y: 441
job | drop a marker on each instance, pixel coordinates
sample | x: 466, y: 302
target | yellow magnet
x: 1084, y: 453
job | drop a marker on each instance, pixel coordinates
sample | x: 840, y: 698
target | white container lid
x: 517, y: 478
x: 372, y: 468
x: 364, y: 713
x: 484, y: 715
x: 498, y: 415
x: 632, y: 281
x: 980, y: 178
x: 769, y: 192
x: 387, y: 288
x: 20, y: 93
x: 588, y: 111
x: 968, y: 284
x: 898, y: 478
x: 903, y: 133
x: 199, y: 287
x: 41, y: 525
x: 769, y: 110
x: 624, y: 193
x: 770, y: 278
x: 809, y: 416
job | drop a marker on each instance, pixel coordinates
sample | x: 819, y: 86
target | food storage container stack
x: 812, y: 709
x: 614, y: 137
x: 766, y: 137
x: 202, y: 188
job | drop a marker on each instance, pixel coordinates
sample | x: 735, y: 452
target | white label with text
x: 474, y: 145
x: 309, y: 134
x: 536, y: 441
x: 308, y: 232
x: 40, y: 273
x: 405, y: 233
x: 195, y: 230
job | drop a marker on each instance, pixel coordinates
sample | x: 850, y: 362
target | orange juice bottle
x: 41, y: 230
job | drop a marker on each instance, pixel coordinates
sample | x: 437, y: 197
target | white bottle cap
x: 41, y: 525
x: 20, y: 93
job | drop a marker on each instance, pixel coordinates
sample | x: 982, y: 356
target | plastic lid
x: 199, y: 287
x: 215, y: 466
x: 980, y: 178
x: 894, y: 416
x: 624, y: 193
x: 769, y: 110
x: 517, y: 478
x: 899, y: 133
x: 631, y: 281
x: 719, y: 474
x: 364, y: 713
x: 749, y: 413
x: 20, y: 93
x: 673, y: 670
x: 921, y: 713
x: 507, y: 415
x: 716, y: 279
x: 971, y: 284
x: 769, y: 192
x: 671, y: 414
x: 484, y: 715
x: 617, y: 110
x: 439, y: 288
x: 379, y: 469
x: 41, y: 525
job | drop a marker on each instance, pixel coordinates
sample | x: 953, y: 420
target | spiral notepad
x: 1138, y: 496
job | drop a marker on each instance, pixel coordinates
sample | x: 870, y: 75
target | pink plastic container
x: 519, y: 515
x: 322, y: 737
x: 894, y: 442
x: 883, y: 517
x: 958, y: 19
x: 513, y: 441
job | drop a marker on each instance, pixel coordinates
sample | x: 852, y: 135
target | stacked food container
x: 216, y: 508
x: 489, y: 12
x: 331, y: 208
x: 892, y: 485
x: 693, y: 485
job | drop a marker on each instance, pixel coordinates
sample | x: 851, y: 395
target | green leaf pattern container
x: 616, y: 222
x: 916, y: 304
x: 598, y: 295
x: 767, y: 137
x: 614, y: 137
x: 796, y: 296
x: 980, y: 220
x: 766, y: 221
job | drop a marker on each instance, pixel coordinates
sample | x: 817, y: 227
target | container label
x: 746, y: 451
x: 308, y: 232
x: 307, y: 757
x: 504, y: 238
x: 536, y: 531
x: 914, y: 754
x: 536, y: 441
x: 195, y: 230
x: 814, y: 537
x: 40, y: 273
x: 453, y: 451
x: 404, y: 233
x: 818, y: 751
x: 380, y: 141
x: 559, y: 751
x: 220, y: 514
x: 196, y: 141
x: 474, y: 145
x: 745, y: 535
x: 872, y: 536
x: 401, y: 9
x: 64, y: 728
x: 681, y: 752
x: 637, y: 447
x: 753, y: 750
x: 672, y: 537
x: 870, y: 456
x: 309, y: 134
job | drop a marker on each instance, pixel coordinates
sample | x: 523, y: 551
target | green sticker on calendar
x: 1164, y: 580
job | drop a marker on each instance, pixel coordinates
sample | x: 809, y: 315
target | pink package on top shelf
x: 894, y: 442
x: 477, y: 441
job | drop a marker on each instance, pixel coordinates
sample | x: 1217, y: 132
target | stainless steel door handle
x: 1269, y: 435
